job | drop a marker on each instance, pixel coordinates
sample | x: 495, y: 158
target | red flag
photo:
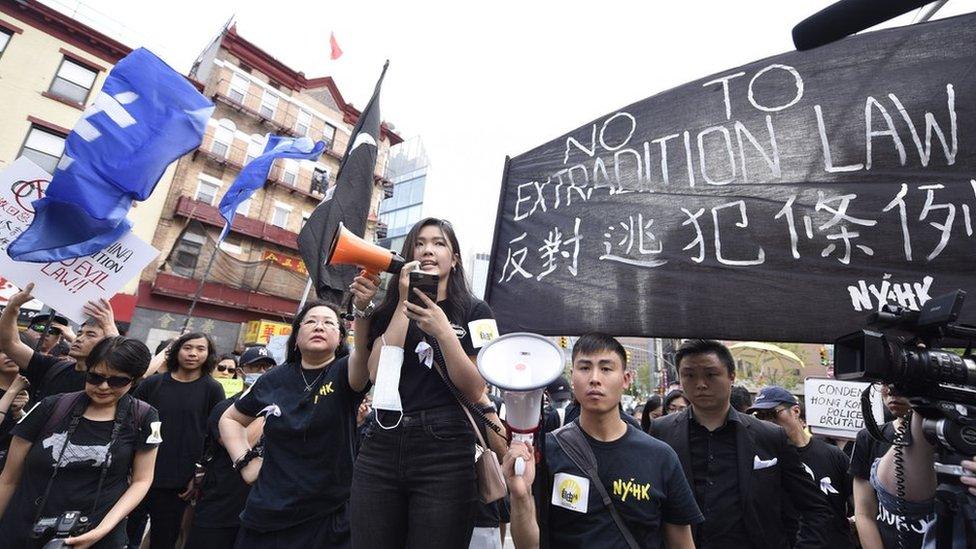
x: 336, y: 50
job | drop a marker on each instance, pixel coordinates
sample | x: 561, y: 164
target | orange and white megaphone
x: 349, y: 249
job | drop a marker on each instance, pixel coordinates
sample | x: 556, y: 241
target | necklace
x: 308, y: 386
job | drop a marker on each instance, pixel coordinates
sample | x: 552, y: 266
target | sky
x: 479, y: 81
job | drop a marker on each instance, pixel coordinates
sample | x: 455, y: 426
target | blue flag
x: 255, y: 173
x: 146, y: 116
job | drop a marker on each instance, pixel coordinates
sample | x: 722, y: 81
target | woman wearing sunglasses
x: 226, y: 367
x: 91, y: 451
x: 184, y: 396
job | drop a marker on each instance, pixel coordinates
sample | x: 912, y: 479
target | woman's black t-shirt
x: 76, y: 483
x: 309, y: 440
x: 422, y: 388
x: 183, y: 409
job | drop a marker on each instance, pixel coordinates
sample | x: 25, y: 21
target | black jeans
x: 414, y: 486
x: 328, y: 532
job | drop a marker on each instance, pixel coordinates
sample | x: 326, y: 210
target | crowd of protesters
x: 144, y: 449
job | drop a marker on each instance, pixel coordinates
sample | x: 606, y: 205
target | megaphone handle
x: 519, y: 466
x: 350, y: 298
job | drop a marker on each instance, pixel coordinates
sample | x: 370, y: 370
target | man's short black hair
x: 594, y: 342
x: 123, y: 354
x: 703, y: 347
x: 741, y: 399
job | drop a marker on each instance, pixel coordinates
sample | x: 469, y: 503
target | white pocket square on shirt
x: 762, y: 463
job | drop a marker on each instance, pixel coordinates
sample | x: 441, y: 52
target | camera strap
x: 80, y: 405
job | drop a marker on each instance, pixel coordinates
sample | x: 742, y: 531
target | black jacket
x: 760, y: 490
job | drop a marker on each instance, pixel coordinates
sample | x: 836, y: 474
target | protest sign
x: 783, y: 200
x: 64, y: 285
x: 833, y: 408
x: 278, y: 347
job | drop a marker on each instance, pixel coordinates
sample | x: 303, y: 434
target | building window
x: 328, y: 135
x: 255, y: 147
x: 280, y: 216
x: 232, y: 244
x: 44, y: 147
x: 187, y: 253
x: 320, y: 180
x: 269, y: 102
x: 238, y: 88
x: 5, y: 36
x: 207, y: 190
x: 223, y: 138
x: 289, y: 172
x: 73, y: 81
x: 304, y: 123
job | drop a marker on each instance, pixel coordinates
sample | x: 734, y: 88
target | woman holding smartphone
x: 414, y: 480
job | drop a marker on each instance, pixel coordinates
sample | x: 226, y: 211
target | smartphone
x: 426, y: 283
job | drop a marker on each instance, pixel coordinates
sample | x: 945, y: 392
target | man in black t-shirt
x: 216, y: 518
x: 50, y: 375
x: 826, y: 464
x: 641, y: 475
x: 878, y: 524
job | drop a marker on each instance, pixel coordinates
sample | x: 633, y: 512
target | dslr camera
x: 901, y: 348
x: 52, y: 531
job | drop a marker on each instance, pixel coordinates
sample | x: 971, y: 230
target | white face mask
x: 386, y: 391
x: 249, y: 379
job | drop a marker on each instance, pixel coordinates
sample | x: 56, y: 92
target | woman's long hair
x: 294, y: 354
x: 652, y: 404
x: 458, y: 293
x: 173, y: 359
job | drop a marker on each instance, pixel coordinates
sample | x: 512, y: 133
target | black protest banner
x: 783, y: 200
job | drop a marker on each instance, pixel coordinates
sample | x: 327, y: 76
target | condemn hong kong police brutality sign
x: 833, y: 408
x: 783, y: 200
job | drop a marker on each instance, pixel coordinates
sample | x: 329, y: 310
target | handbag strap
x: 465, y: 404
x: 477, y: 431
x: 573, y: 444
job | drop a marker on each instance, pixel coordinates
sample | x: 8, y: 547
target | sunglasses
x: 115, y: 382
x: 768, y: 415
x: 39, y: 328
x: 226, y: 369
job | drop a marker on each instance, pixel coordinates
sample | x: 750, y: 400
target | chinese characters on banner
x: 261, y: 331
x: 287, y: 261
x: 64, y: 285
x: 783, y: 200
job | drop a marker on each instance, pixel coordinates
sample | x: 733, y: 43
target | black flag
x: 348, y: 202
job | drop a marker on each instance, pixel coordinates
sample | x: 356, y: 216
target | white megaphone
x: 522, y: 365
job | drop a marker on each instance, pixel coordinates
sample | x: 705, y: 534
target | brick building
x: 51, y: 68
x: 257, y: 274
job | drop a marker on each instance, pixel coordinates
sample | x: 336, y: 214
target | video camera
x: 900, y: 348
x: 57, y: 529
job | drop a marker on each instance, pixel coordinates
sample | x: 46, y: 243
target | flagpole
x: 308, y: 288
x: 47, y: 330
x: 203, y: 280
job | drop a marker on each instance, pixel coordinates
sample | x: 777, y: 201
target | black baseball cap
x: 257, y: 353
x: 771, y: 397
x: 559, y: 389
x: 38, y: 321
